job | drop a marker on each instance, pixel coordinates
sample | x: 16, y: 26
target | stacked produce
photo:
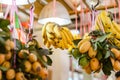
x: 105, y: 21
x: 57, y: 36
x: 100, y: 49
x: 20, y: 61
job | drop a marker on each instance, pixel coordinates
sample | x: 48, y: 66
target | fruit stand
x: 96, y: 47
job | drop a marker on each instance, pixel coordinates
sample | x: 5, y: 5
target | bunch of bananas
x: 57, y: 36
x: 105, y: 22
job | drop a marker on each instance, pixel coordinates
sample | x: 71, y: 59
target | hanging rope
x: 106, y: 5
x: 115, y: 12
x: 81, y: 24
x: 90, y: 22
x: 54, y: 8
x: 0, y: 7
x: 15, y: 26
x: 93, y: 18
x: 29, y: 36
x: 76, y: 18
x: 119, y: 9
x: 12, y: 19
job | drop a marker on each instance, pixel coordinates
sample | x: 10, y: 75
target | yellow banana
x: 116, y: 42
x: 97, y: 23
x: 44, y: 35
x: 56, y: 40
x: 50, y: 35
x: 51, y: 41
x: 48, y: 44
x: 64, y: 40
x: 116, y: 26
x: 57, y: 32
x: 50, y: 27
x: 108, y: 25
x: 68, y: 39
x: 70, y: 47
x: 60, y: 44
x: 68, y: 32
x: 44, y: 41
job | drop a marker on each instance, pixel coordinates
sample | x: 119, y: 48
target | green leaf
x: 99, y: 55
x: 99, y: 45
x: 49, y: 61
x: 112, y: 55
x: 102, y: 38
x: 76, y: 41
x: 4, y: 34
x: 107, y: 66
x: 3, y: 68
x: 2, y: 49
x: 18, y: 45
x: 43, y: 51
x: 3, y: 25
x: 2, y: 41
x: 95, y: 45
x: 96, y: 33
x: 75, y: 52
x: 107, y: 54
x: 42, y: 60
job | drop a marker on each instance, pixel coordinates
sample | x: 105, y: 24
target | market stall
x: 41, y: 39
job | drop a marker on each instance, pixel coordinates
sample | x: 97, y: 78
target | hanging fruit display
x: 100, y: 49
x: 20, y: 61
x: 57, y: 36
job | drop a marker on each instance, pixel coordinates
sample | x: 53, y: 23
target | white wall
x: 60, y: 58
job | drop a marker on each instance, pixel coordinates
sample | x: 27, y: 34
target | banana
x: 44, y: 41
x: 64, y: 40
x: 68, y: 32
x: 70, y: 47
x: 108, y: 25
x: 60, y: 44
x: 49, y: 27
x: 57, y: 31
x: 50, y: 35
x: 44, y: 31
x: 48, y: 44
x: 44, y: 35
x: 116, y: 42
x: 97, y: 23
x: 116, y: 26
x: 68, y: 39
x: 56, y: 40
x: 51, y: 41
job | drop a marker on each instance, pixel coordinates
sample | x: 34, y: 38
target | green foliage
x: 75, y: 52
x: 3, y: 25
x: 102, y: 43
x: 107, y: 66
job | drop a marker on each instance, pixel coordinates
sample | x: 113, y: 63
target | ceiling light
x: 79, y: 8
x: 18, y: 2
x: 61, y: 14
